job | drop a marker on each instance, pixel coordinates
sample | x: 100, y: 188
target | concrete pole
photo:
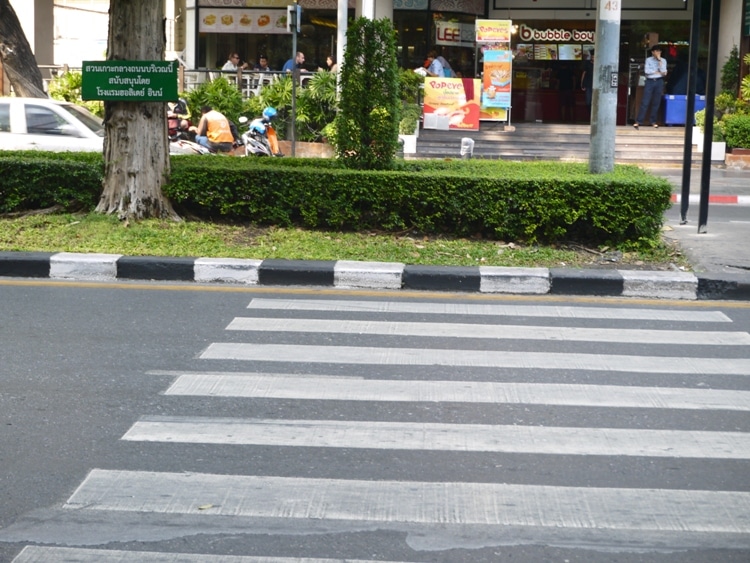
x: 342, y: 25
x: 605, y: 83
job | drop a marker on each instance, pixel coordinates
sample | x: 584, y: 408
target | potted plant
x: 408, y: 127
x: 718, y: 144
x: 411, y: 85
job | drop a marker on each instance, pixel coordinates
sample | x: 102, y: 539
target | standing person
x: 262, y: 64
x: 435, y: 67
x: 233, y: 63
x: 565, y: 84
x: 587, y: 80
x: 655, y: 70
x: 295, y: 63
x: 214, y: 131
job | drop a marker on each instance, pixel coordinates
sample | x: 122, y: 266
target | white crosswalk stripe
x: 692, y: 361
x: 549, y: 311
x: 472, y: 358
x: 347, y: 388
x: 413, y: 501
x: 515, y: 332
x: 444, y: 437
x: 42, y: 554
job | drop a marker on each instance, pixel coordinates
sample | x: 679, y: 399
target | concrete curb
x: 717, y: 199
x: 378, y: 275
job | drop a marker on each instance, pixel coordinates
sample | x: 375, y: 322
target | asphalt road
x: 370, y: 425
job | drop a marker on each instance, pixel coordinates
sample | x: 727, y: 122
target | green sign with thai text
x: 129, y: 81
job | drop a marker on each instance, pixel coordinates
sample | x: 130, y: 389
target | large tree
x: 17, y: 57
x: 136, y: 146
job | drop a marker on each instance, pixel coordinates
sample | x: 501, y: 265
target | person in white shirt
x: 233, y: 63
x: 655, y: 70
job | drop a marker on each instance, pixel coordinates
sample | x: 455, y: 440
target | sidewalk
x: 721, y: 255
x: 720, y: 258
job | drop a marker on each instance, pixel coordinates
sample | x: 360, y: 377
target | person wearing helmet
x: 269, y: 113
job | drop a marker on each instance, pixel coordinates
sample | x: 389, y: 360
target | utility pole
x: 293, y: 23
x: 605, y: 83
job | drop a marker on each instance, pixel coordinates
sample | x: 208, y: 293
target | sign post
x: 493, y: 37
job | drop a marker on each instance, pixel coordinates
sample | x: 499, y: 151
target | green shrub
x: 700, y: 121
x: 509, y: 201
x: 410, y: 115
x: 369, y: 108
x: 737, y: 130
x: 39, y: 180
x: 411, y: 86
x: 745, y: 84
x: 500, y: 200
x: 220, y: 94
x: 730, y: 72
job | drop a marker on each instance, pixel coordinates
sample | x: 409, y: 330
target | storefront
x: 259, y: 27
x: 551, y: 42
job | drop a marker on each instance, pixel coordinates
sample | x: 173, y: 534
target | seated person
x: 295, y: 63
x: 214, y: 131
x: 233, y: 63
x: 262, y: 64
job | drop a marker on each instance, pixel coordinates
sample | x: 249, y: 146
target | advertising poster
x: 451, y: 103
x: 570, y: 52
x: 493, y: 31
x: 228, y: 20
x: 497, y: 79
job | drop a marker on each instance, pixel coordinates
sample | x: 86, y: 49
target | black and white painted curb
x: 378, y: 275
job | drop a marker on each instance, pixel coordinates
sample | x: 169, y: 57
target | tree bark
x: 136, y: 146
x: 17, y: 57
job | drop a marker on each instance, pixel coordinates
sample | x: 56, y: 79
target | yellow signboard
x: 493, y: 31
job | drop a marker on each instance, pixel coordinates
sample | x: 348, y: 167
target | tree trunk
x: 136, y: 146
x: 16, y: 55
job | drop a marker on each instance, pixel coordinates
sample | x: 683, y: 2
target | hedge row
x: 542, y: 202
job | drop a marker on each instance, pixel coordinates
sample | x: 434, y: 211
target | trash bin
x: 676, y: 106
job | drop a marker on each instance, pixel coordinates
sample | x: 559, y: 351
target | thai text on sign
x: 129, y: 81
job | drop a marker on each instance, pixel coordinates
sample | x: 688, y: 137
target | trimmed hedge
x: 38, y: 180
x: 542, y: 202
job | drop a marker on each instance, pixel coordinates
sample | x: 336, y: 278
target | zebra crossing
x: 684, y: 369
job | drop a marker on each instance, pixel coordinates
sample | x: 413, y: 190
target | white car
x: 48, y: 125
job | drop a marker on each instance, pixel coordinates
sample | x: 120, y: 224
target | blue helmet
x: 269, y: 113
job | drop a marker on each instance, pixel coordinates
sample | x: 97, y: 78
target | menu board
x: 570, y: 52
x: 544, y: 52
x: 234, y: 20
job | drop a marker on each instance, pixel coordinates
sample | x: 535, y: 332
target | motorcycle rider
x: 214, y: 131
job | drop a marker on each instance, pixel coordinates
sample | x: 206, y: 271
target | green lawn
x: 105, y: 234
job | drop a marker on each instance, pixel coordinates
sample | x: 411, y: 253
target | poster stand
x: 493, y: 49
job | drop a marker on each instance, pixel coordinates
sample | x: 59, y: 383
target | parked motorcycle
x: 181, y: 138
x: 260, y: 138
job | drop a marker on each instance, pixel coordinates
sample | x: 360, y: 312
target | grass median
x: 94, y: 233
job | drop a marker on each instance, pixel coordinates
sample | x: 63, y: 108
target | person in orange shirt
x: 214, y: 131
